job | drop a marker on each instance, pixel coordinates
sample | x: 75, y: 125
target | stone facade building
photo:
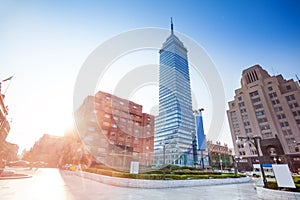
x: 268, y: 107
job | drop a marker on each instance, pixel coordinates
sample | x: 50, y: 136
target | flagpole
x: 8, y: 83
x: 7, y: 88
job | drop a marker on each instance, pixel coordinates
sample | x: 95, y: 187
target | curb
x: 154, y: 184
x: 19, y: 176
x: 269, y: 194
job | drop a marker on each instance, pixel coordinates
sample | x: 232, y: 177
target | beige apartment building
x: 266, y: 106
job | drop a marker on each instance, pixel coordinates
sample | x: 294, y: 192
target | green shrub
x: 180, y: 174
x: 272, y: 185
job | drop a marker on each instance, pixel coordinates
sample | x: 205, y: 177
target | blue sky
x: 44, y: 44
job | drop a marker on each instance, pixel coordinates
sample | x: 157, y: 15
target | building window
x: 254, y: 152
x: 262, y: 120
x: 264, y: 127
x: 240, y: 98
x: 232, y: 104
x: 248, y: 130
x: 259, y: 113
x: 241, y: 104
x: 278, y: 109
x: 234, y: 119
x: 233, y: 113
x: 255, y: 100
x: 106, y: 123
x: 258, y: 106
x: 253, y: 94
x: 290, y: 140
x: 245, y: 117
x: 294, y: 105
x: 298, y: 121
x: 247, y: 123
x: 107, y: 116
x: 272, y: 95
x: 281, y: 116
x: 283, y: 124
x: 243, y: 110
x: 296, y: 113
x: 122, y: 119
x: 235, y: 126
x: 267, y: 134
x: 237, y: 132
x: 287, y: 132
x: 270, y: 88
x: 276, y: 101
x: 116, y: 118
x: 288, y: 87
x: 290, y: 97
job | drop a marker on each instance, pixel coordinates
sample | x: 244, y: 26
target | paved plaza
x: 50, y: 184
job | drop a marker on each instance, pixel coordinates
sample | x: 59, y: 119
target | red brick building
x: 115, y: 131
x: 8, y: 151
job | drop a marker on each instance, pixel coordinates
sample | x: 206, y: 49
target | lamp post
x: 164, y: 158
x: 277, y: 160
x: 256, y: 142
x: 221, y: 162
x: 234, y: 161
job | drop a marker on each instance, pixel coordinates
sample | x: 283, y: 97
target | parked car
x: 18, y: 163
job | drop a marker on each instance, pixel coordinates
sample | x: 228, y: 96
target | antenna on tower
x: 172, y: 28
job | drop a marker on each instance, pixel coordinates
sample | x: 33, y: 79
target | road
x: 51, y: 184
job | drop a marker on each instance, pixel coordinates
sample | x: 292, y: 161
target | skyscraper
x: 268, y: 107
x: 175, y: 124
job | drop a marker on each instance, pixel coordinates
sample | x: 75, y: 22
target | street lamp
x: 277, y: 159
x: 256, y: 142
x: 221, y: 162
x: 164, y: 158
x: 235, y: 160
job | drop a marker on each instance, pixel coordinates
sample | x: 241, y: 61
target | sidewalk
x: 11, y: 174
x: 15, y: 176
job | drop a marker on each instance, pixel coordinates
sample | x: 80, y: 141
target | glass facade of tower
x: 175, y: 124
x: 201, y: 143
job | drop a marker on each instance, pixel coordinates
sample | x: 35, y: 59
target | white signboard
x: 283, y: 176
x: 134, y: 167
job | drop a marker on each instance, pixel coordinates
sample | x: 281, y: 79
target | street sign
x: 134, y: 167
x: 283, y: 176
